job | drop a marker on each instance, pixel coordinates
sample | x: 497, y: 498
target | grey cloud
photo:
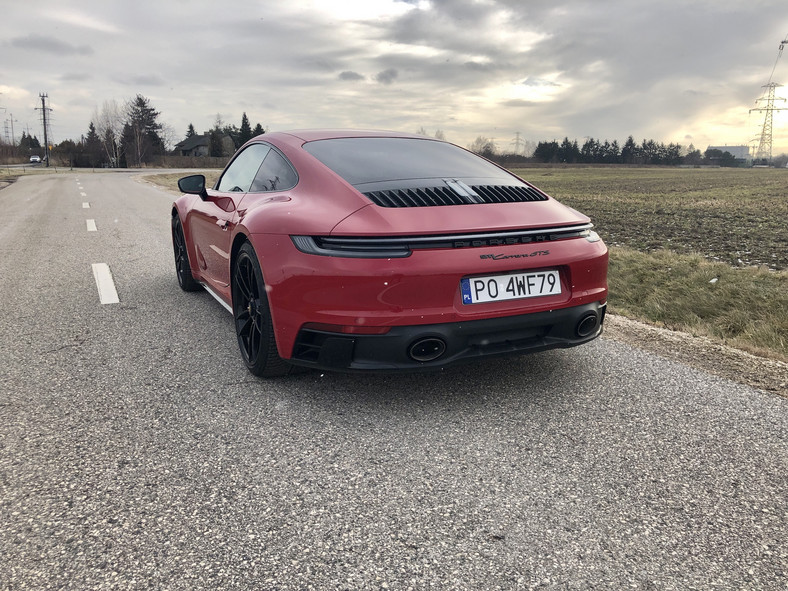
x: 434, y: 27
x: 350, y: 76
x: 478, y: 67
x: 532, y: 81
x: 75, y: 77
x: 519, y: 103
x: 321, y: 65
x: 51, y: 45
x: 647, y: 69
x: 145, y: 80
x: 387, y: 76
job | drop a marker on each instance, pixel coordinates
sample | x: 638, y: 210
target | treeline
x: 131, y: 135
x: 647, y: 152
x: 28, y: 146
x: 594, y: 151
x: 128, y: 135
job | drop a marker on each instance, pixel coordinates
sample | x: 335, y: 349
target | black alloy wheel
x: 182, y: 267
x: 253, y: 318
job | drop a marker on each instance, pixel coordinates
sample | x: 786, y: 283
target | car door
x: 212, y: 220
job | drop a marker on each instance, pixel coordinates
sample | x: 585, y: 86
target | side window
x: 275, y: 174
x: 239, y: 175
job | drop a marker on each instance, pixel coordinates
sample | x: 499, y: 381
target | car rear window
x: 372, y: 160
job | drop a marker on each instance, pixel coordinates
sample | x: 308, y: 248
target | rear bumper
x: 434, y: 346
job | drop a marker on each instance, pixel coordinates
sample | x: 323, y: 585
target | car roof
x: 310, y: 135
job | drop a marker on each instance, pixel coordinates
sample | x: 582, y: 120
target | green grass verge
x: 746, y: 308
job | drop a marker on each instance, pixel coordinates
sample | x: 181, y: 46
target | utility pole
x: 45, y: 123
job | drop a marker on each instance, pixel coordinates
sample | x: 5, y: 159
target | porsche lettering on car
x: 363, y: 250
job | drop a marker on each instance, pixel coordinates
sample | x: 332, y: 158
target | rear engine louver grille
x: 433, y: 196
x: 504, y: 194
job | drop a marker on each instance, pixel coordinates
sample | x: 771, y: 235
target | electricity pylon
x: 519, y: 144
x: 764, y: 151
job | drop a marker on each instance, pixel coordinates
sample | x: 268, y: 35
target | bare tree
x: 483, y: 145
x: 109, y: 126
x: 439, y: 135
x: 169, y: 136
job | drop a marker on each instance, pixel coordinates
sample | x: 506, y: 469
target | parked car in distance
x: 35, y: 159
x: 363, y: 250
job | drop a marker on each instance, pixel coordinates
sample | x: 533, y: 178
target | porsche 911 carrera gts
x: 361, y: 250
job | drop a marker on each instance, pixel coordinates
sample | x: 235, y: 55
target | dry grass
x: 169, y: 180
x: 732, y: 215
x: 746, y: 308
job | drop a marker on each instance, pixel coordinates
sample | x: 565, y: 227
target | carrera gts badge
x: 498, y: 257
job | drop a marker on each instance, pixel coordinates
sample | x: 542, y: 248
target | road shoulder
x: 702, y: 353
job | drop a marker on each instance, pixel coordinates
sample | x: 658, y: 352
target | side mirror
x: 193, y: 185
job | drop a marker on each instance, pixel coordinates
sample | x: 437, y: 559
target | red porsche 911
x: 361, y: 250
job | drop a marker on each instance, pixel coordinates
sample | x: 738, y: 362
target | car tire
x: 252, y: 316
x: 183, y: 268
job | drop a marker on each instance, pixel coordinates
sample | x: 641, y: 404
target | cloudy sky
x: 673, y: 71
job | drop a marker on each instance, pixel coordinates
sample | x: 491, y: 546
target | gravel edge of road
x: 701, y: 353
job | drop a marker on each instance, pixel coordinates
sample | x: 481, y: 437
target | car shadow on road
x: 531, y: 377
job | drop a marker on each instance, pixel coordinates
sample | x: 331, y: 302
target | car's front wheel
x: 252, y: 316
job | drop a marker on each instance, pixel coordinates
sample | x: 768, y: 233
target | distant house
x: 738, y: 152
x: 196, y: 145
x: 200, y: 145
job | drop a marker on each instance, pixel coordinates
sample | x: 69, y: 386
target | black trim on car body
x: 403, y: 246
x: 463, y: 341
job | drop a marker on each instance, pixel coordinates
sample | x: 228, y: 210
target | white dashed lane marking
x: 107, y: 292
x: 105, y: 284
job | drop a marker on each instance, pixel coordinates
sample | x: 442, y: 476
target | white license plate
x: 496, y: 288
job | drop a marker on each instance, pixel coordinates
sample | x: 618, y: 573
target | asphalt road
x: 136, y: 452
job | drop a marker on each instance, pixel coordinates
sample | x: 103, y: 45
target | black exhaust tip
x: 588, y: 325
x: 427, y: 349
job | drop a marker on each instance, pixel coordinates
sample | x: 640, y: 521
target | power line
x: 779, y: 53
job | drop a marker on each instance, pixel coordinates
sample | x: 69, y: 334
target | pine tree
x: 245, y: 134
x: 93, y: 146
x: 141, y: 140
